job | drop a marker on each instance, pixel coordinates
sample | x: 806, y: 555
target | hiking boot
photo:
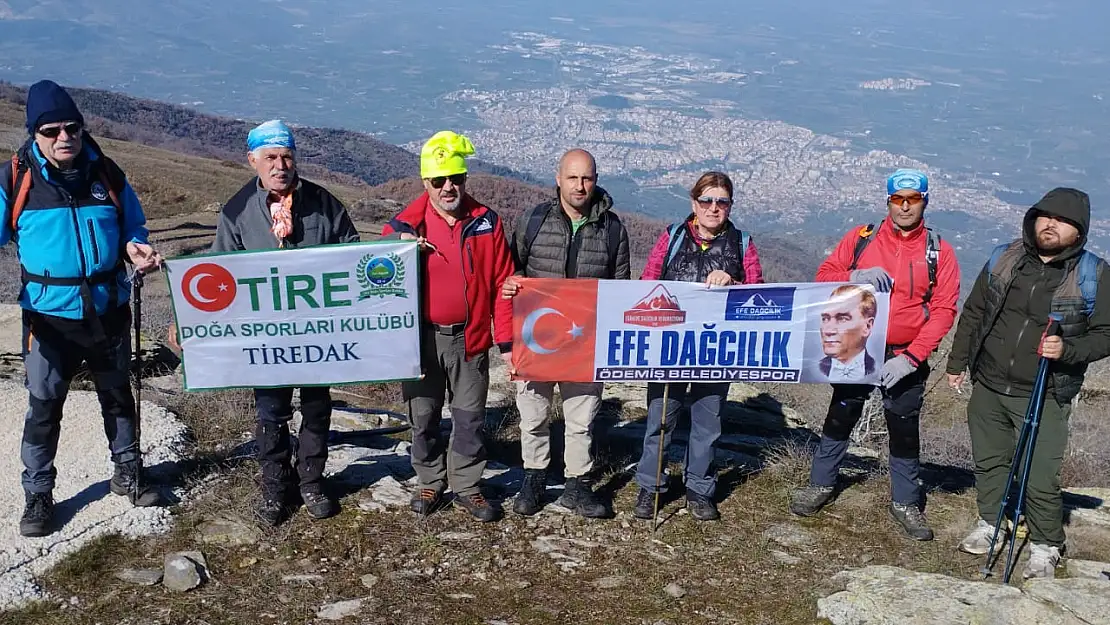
x: 37, y: 515
x: 978, y: 542
x: 912, y: 520
x: 809, y: 500
x: 272, y: 509
x: 426, y: 501
x: 645, y: 505
x: 701, y: 507
x: 123, y: 482
x: 530, y: 499
x: 1043, y: 560
x: 578, y: 496
x: 318, y: 504
x: 477, y: 506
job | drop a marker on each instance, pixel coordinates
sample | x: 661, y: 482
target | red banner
x: 554, y: 324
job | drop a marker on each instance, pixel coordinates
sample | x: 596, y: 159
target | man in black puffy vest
x: 1000, y: 333
x: 575, y: 234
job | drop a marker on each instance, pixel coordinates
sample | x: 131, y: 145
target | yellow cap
x: 445, y: 155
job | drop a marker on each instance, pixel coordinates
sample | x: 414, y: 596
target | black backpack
x: 932, y: 256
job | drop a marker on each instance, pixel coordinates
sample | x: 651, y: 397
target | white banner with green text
x: 324, y: 315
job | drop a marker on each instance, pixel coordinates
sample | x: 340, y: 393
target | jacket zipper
x: 1021, y: 333
x: 92, y: 241
x: 77, y: 231
x: 466, y: 293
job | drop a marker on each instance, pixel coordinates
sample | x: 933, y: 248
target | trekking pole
x: 659, y: 468
x: 1023, y: 456
x: 137, y: 300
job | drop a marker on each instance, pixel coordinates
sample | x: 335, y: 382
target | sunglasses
x: 50, y: 132
x: 899, y: 200
x: 705, y: 201
x: 439, y: 181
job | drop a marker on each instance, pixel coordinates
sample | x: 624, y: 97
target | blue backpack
x: 1088, y: 274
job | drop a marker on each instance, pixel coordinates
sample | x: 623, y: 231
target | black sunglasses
x: 51, y: 132
x: 439, y: 181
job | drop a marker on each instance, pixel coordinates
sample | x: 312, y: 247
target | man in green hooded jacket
x: 999, y: 340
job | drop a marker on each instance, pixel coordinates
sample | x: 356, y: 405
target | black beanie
x: 48, y: 103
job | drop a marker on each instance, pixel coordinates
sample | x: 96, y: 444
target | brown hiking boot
x: 426, y: 501
x: 477, y: 506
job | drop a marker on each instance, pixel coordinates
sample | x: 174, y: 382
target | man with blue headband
x: 280, y: 209
x: 919, y: 270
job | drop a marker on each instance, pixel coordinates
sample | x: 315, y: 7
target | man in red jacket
x: 465, y: 259
x: 920, y: 271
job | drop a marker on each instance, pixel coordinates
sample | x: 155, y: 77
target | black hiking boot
x: 701, y: 507
x: 126, y: 477
x: 579, y: 497
x: 274, y: 507
x: 477, y: 506
x: 37, y: 515
x: 318, y: 503
x: 645, y: 505
x: 530, y: 499
x: 912, y: 520
x: 426, y: 501
x: 809, y: 500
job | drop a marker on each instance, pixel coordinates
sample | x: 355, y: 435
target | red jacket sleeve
x: 653, y: 269
x: 942, y: 306
x: 503, y: 267
x: 835, y: 267
x: 753, y: 270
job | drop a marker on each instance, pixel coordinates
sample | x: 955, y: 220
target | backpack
x: 1088, y: 274
x: 674, y: 243
x: 932, y: 257
x: 539, y: 215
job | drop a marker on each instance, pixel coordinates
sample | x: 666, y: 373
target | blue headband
x: 271, y: 134
x: 907, y: 179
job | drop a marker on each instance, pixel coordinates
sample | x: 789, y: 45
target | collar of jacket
x: 413, y: 214
x: 30, y: 153
x: 693, y: 229
x: 887, y: 228
x: 600, y: 203
x: 262, y: 191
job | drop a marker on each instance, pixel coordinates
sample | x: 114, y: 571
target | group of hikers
x: 78, y: 224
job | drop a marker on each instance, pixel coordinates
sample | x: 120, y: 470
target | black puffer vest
x: 1067, y: 301
x: 692, y: 264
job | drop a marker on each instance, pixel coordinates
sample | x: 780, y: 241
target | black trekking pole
x: 137, y: 302
x: 1023, y: 457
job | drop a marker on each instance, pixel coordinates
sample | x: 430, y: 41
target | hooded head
x: 1070, y: 206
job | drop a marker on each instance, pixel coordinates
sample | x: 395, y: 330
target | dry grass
x: 728, y: 569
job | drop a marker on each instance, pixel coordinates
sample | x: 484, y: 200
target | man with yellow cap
x: 465, y: 261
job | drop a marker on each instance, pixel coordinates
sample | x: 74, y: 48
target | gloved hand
x: 875, y: 276
x: 895, y: 369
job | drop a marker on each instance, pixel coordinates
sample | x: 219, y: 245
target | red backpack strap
x: 21, y: 188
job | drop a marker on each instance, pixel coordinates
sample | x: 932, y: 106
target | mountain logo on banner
x: 657, y: 309
x: 770, y: 304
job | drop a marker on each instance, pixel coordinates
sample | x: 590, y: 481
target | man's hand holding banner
x: 324, y: 315
x: 621, y: 330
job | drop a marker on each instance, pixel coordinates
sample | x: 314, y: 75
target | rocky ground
x: 376, y: 563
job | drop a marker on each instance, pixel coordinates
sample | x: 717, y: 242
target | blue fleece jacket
x: 68, y: 235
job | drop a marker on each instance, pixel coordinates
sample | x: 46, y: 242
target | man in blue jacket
x: 76, y: 222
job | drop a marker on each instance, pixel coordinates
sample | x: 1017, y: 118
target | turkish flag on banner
x: 554, y: 324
